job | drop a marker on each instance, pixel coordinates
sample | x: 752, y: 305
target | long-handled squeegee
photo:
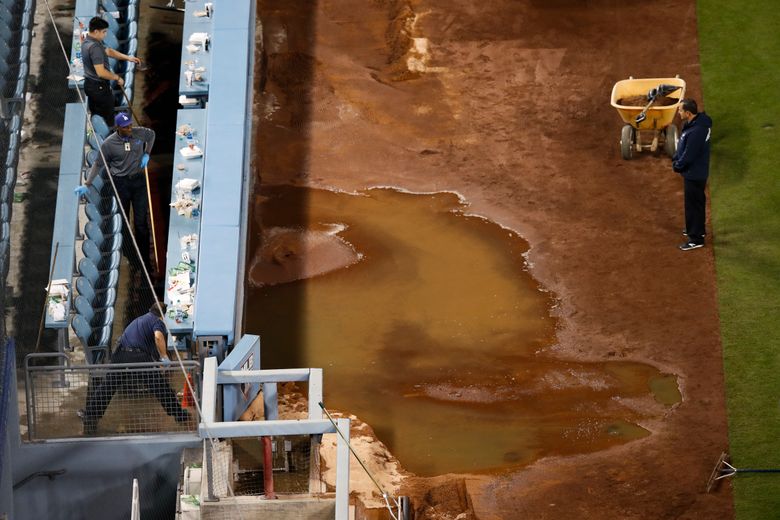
x: 170, y: 6
x: 660, y: 91
x: 725, y: 470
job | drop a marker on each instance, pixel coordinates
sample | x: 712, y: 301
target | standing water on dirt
x: 429, y: 328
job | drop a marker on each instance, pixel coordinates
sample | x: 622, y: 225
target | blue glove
x: 144, y: 160
x: 81, y: 190
x: 166, y: 362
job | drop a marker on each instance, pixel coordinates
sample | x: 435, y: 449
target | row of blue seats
x: 16, y: 21
x: 99, y: 269
x: 16, y: 18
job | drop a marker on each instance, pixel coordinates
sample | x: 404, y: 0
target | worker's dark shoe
x: 90, y: 425
x: 183, y: 417
x: 687, y: 246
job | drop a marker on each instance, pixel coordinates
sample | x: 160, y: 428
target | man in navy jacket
x: 692, y: 161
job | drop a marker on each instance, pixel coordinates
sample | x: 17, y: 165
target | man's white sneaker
x: 687, y: 246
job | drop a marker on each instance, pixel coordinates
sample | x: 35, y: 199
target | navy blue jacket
x: 140, y: 334
x: 692, y: 159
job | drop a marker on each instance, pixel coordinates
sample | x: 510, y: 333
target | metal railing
x: 74, y: 401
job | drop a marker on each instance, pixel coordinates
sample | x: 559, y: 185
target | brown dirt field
x: 507, y: 103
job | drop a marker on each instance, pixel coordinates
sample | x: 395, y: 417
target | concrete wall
x: 6, y: 482
x: 99, y: 478
x: 258, y: 508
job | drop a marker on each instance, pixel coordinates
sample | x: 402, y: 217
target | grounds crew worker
x: 692, y: 161
x: 143, y: 341
x: 127, y: 153
x: 97, y: 72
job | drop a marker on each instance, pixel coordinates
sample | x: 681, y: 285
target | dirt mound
x: 286, y: 255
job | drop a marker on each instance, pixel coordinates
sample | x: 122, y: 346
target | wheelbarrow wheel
x: 671, y: 135
x: 627, y: 138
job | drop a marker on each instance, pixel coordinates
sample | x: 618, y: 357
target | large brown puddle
x: 432, y: 333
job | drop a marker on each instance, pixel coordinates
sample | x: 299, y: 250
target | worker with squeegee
x: 127, y: 153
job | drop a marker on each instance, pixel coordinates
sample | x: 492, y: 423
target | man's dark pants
x: 132, y: 192
x: 148, y: 378
x: 100, y: 99
x: 695, y: 207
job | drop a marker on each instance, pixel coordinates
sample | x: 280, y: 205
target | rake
x: 725, y: 470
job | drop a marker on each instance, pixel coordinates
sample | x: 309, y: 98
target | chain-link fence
x: 105, y: 400
x: 256, y: 477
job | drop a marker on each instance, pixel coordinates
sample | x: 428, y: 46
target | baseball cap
x: 122, y: 120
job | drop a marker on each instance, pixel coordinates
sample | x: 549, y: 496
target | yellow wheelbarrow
x: 648, y: 107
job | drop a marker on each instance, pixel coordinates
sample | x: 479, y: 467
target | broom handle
x: 151, y: 218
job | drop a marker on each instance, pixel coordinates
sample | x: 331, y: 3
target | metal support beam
x: 209, y: 402
x: 265, y: 428
x: 342, y: 470
x: 229, y: 377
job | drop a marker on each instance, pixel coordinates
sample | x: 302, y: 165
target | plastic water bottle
x: 190, y: 141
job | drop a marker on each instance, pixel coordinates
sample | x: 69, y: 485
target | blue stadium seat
x: 115, y: 27
x: 98, y: 299
x: 94, y: 253
x: 27, y: 19
x: 9, y: 180
x: 98, y: 196
x: 106, y: 243
x: 100, y: 126
x: 93, y: 317
x: 16, y: 123
x: 100, y: 281
x: 6, y: 51
x: 102, y: 184
x: 94, y: 214
x: 105, y: 206
x: 91, y: 273
x: 113, y: 42
x: 111, y: 225
x: 92, y: 139
x: 132, y: 29
x: 109, y: 5
x: 94, y: 341
x: 109, y: 262
x: 92, y: 156
x: 24, y: 68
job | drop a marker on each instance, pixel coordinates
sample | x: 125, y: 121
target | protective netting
x: 6, y: 393
x: 130, y: 399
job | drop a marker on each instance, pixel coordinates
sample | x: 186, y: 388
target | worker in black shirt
x: 143, y: 341
x: 97, y: 72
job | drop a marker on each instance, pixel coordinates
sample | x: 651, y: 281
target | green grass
x: 740, y: 57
